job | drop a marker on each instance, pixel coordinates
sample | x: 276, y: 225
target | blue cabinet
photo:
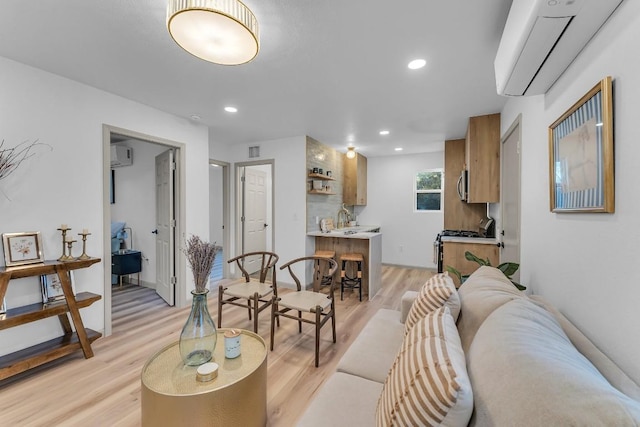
x: 126, y: 262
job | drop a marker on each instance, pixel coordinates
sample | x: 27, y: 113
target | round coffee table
x: 171, y: 395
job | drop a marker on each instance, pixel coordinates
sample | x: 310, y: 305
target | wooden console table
x: 22, y: 360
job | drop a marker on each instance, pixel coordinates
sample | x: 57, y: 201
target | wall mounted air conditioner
x: 121, y: 156
x: 541, y: 38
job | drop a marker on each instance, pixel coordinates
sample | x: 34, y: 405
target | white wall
x: 135, y: 203
x: 585, y: 263
x: 407, y: 236
x: 65, y: 185
x: 289, y: 179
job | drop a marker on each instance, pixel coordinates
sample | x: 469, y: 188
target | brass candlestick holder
x: 84, y: 235
x: 69, y: 245
x: 64, y: 256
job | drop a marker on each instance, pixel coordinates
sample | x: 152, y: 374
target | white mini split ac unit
x: 121, y: 156
x: 540, y: 40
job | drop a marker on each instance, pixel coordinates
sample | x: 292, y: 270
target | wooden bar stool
x: 319, y: 276
x: 347, y: 281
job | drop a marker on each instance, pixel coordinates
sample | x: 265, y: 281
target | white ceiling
x: 328, y: 69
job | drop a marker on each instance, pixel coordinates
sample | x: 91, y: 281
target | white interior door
x: 165, y: 227
x: 510, y: 252
x: 255, y: 215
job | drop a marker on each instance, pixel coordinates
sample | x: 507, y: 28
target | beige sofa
x: 527, y: 365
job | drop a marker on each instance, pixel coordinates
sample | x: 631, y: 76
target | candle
x: 63, y: 227
x: 69, y: 238
x: 85, y: 231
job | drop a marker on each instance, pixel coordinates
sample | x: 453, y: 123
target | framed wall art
x: 581, y: 169
x: 22, y: 248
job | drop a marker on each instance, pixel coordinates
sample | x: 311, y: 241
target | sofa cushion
x: 484, y: 291
x: 438, y: 291
x: 616, y: 376
x: 525, y: 372
x: 428, y: 383
x: 344, y: 400
x: 375, y: 348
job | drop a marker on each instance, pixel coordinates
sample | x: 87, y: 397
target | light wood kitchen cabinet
x: 354, y: 189
x: 482, y: 153
x: 458, y: 215
x: 453, y: 255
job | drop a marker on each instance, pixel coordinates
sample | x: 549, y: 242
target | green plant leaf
x: 455, y: 272
x: 509, y: 268
x: 519, y: 286
x: 471, y: 257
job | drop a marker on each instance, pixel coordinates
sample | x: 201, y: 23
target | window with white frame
x: 428, y: 191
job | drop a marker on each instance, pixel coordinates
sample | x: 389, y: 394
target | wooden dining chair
x: 319, y: 307
x: 252, y: 293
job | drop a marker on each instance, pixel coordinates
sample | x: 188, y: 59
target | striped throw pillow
x: 428, y: 383
x: 438, y: 291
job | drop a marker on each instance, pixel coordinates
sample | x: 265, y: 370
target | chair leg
x: 359, y: 276
x: 274, y: 306
x: 255, y: 312
x: 220, y: 296
x: 333, y: 322
x: 299, y: 322
x: 318, y: 309
x: 249, y: 307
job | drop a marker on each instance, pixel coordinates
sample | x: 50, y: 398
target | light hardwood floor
x: 105, y: 390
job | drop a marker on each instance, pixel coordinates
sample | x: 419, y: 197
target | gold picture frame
x: 581, y: 164
x: 22, y: 248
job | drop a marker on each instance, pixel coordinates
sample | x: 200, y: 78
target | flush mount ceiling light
x: 351, y: 152
x: 416, y: 64
x: 220, y: 31
x: 231, y: 109
x: 384, y: 132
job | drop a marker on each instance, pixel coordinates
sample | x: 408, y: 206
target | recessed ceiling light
x: 384, y: 132
x: 231, y: 109
x: 351, y: 138
x: 398, y: 148
x: 417, y: 63
x: 213, y: 165
x: 195, y: 117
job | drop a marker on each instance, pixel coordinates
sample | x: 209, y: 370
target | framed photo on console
x: 581, y: 170
x: 22, y: 248
x: 52, y: 288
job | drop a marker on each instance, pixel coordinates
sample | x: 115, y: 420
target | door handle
x: 155, y: 231
x: 266, y: 225
x: 458, y: 185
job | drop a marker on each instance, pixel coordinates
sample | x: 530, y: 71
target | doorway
x: 219, y: 227
x: 143, y: 229
x: 511, y: 161
x: 255, y: 209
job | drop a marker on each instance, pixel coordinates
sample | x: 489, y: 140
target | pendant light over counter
x: 220, y: 31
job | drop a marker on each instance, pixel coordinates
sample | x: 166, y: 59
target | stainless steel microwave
x: 463, y: 185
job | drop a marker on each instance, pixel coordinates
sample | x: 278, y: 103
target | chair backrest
x: 268, y: 261
x: 324, y: 263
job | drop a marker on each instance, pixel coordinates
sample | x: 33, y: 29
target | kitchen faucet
x: 344, y: 212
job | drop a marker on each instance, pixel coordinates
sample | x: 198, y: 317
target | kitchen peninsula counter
x: 369, y: 244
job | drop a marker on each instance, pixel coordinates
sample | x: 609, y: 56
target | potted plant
x: 508, y: 268
x: 199, y: 335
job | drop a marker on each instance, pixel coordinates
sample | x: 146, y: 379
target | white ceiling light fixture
x: 384, y: 132
x: 351, y: 152
x: 220, y: 31
x: 231, y: 109
x: 398, y: 149
x: 417, y: 64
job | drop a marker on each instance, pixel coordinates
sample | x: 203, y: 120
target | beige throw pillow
x: 428, y: 383
x: 437, y: 292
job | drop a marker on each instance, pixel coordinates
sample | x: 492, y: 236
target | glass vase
x: 199, y: 335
